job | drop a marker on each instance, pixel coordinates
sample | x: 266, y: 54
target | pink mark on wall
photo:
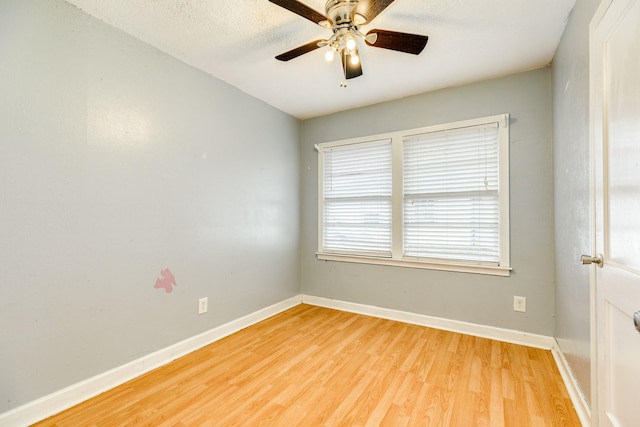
x: 166, y: 281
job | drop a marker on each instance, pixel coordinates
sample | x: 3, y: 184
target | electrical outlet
x: 520, y: 304
x: 203, y: 304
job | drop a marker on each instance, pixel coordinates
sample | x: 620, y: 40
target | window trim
x: 397, y: 259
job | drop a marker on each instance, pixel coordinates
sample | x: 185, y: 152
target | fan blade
x: 301, y: 9
x: 372, y: 8
x: 350, y: 70
x: 403, y: 42
x: 300, y: 50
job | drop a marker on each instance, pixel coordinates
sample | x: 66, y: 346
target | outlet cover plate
x: 520, y: 304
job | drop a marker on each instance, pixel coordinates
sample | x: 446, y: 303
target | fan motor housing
x: 340, y: 12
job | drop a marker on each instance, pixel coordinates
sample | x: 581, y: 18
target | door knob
x: 636, y: 320
x: 586, y: 259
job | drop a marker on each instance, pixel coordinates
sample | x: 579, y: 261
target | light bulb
x: 329, y: 55
x: 351, y: 43
x: 355, y: 59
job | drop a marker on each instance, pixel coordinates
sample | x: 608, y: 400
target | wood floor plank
x: 312, y: 366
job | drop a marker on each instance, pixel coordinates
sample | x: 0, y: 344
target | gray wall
x: 571, y: 181
x: 117, y: 161
x: 480, y: 299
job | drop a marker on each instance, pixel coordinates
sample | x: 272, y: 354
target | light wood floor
x: 312, y: 366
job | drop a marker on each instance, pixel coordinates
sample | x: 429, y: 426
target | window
x: 357, y: 199
x: 434, y: 197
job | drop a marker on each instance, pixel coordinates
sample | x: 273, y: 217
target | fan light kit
x: 344, y: 17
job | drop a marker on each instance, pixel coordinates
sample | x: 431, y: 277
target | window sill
x: 493, y: 270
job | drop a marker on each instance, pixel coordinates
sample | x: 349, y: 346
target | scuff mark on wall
x: 166, y: 281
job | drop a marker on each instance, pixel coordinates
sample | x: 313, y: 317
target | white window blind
x: 451, y: 201
x: 356, y: 203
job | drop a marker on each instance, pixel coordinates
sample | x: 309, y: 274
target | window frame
x: 502, y: 268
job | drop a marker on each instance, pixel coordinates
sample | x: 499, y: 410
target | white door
x: 615, y: 77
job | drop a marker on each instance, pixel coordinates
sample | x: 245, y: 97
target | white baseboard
x: 506, y: 335
x: 58, y: 401
x: 579, y: 400
x: 54, y: 403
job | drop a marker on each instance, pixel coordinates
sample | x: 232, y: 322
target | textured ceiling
x: 236, y: 41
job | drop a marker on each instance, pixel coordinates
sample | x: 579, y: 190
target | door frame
x: 595, y: 155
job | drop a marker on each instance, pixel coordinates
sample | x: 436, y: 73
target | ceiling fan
x: 344, y: 17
